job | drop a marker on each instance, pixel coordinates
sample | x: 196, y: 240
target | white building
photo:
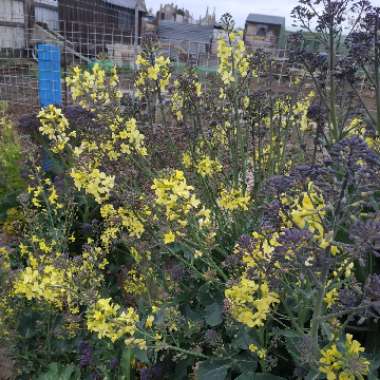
x: 17, y: 18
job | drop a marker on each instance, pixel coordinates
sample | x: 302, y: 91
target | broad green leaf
x: 126, y: 364
x: 313, y: 375
x: 141, y: 355
x: 212, y: 370
x: 242, y: 340
x: 214, y: 314
x: 246, y: 376
x: 182, y: 368
x: 58, y: 372
x: 267, y: 376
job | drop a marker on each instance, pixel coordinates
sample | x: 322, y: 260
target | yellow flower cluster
x: 301, y: 110
x: 260, y: 352
x: 91, y: 88
x: 95, y: 183
x: 49, y: 275
x: 55, y: 126
x: 176, y: 198
x: 251, y: 302
x: 134, y: 137
x: 177, y: 103
x: 308, y: 211
x: 186, y: 160
x: 45, y: 195
x: 185, y: 96
x: 233, y: 199
x: 132, y: 221
x: 124, y: 138
x: 357, y: 128
x: 207, y: 167
x: 344, y: 363
x: 154, y: 74
x: 135, y: 283
x: 261, y: 252
x: 106, y: 320
x: 116, y: 220
x: 233, y: 60
x: 51, y: 284
x: 175, y: 195
x: 331, y: 297
x: 5, y: 263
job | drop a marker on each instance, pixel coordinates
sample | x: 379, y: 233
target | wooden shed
x: 112, y: 21
x: 17, y: 18
x: 109, y: 20
x: 264, y: 31
x: 12, y: 24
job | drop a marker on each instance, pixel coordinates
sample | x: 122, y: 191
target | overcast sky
x: 238, y: 8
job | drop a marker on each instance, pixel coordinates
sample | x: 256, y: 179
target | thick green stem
x: 332, y: 95
x: 318, y: 308
x: 377, y: 73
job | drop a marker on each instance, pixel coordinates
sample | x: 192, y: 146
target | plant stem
x: 332, y: 95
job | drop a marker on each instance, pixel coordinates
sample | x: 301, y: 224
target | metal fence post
x: 49, y: 67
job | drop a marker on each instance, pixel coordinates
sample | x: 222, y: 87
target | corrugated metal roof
x: 131, y: 4
x: 188, y: 32
x: 266, y: 19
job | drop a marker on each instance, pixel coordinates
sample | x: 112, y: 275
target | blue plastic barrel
x: 49, y: 68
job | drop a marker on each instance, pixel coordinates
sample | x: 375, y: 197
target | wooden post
x: 29, y: 17
x: 136, y: 41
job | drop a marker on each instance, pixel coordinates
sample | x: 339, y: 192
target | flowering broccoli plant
x: 210, y: 233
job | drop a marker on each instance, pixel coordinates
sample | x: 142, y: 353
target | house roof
x: 189, y: 32
x: 131, y: 4
x: 266, y: 19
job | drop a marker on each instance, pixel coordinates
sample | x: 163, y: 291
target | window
x: 262, y: 31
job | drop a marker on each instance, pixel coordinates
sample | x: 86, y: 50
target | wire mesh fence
x: 83, y: 44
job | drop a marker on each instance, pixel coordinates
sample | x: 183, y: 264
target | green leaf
x: 214, y: 314
x: 267, y: 376
x: 244, y: 363
x: 58, y: 372
x: 141, y: 355
x: 374, y: 370
x: 246, y: 376
x: 242, y: 340
x: 312, y: 375
x: 126, y: 364
x: 203, y: 295
x: 182, y: 369
x: 212, y: 370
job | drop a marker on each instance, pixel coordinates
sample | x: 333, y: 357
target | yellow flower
x: 54, y: 285
x: 177, y: 105
x: 198, y: 89
x: 233, y: 60
x: 206, y: 167
x: 175, y: 195
x: 260, y: 352
x: 55, y: 126
x: 95, y: 183
x: 344, y: 362
x: 308, y: 210
x: 169, y: 237
x: 149, y: 321
x: 186, y: 160
x: 233, y: 199
x: 250, y: 302
x: 331, y: 297
x: 106, y: 321
x: 140, y: 60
